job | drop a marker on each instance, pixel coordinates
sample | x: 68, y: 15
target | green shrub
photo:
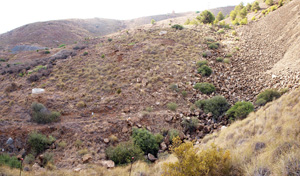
x: 220, y: 16
x: 255, y: 6
x: 235, y: 22
x: 110, y: 39
x: 47, y: 52
x: 228, y: 55
x: 41, y: 115
x: 219, y: 59
x: 267, y: 96
x: 12, y: 162
x: 206, y: 17
x: 48, y: 158
x: 204, y: 54
x: 153, y: 21
x: 38, y: 142
x: 226, y: 60
x: 190, y: 123
x: 102, y: 56
x: 244, y: 21
x: 221, y: 31
x: 233, y: 15
x: 177, y: 27
x: 202, y: 62
x: 29, y: 159
x: 174, y: 87
x: 172, y: 134
x: 62, y: 144
x: 159, y: 138
x: 269, y: 2
x: 234, y: 33
x: 85, y: 53
x: 205, y: 70
x: 62, y: 45
x: 240, y: 110
x: 280, y: 3
x: 184, y: 93
x: 243, y: 13
x: 205, y: 87
x: 217, y: 105
x: 253, y: 18
x: 145, y: 140
x: 123, y: 153
x: 172, y: 106
x: 2, y: 60
x: 214, y: 45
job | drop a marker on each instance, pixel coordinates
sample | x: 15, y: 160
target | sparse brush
x: 172, y: 106
x: 205, y: 70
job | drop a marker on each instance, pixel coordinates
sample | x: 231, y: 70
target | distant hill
x: 55, y: 33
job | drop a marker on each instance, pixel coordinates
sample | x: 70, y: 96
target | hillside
x: 55, y: 33
x: 146, y: 77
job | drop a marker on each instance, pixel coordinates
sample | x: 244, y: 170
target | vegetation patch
x: 177, y: 27
x: 205, y: 70
x: 205, y: 87
x: 240, y: 110
x: 123, y: 153
x: 267, y: 96
x: 39, y: 142
x: 145, y: 140
x: 41, y: 115
x: 211, y: 161
x: 172, y: 106
x: 7, y: 160
x: 217, y: 105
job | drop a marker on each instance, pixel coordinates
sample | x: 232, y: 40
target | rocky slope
x: 105, y: 86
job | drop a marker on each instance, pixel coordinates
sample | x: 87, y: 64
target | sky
x: 16, y: 13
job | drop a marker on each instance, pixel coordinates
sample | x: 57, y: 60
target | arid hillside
x: 152, y: 77
x: 69, y: 31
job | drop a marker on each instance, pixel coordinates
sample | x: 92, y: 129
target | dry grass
x: 138, y: 168
x: 266, y: 141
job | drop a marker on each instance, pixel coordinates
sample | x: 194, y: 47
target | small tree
x: 248, y: 7
x: 220, y: 16
x: 233, y: 15
x: 255, y: 6
x: 206, y: 17
x: 243, y: 13
x: 153, y: 21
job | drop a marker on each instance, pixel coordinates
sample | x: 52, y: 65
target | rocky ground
x: 104, y: 88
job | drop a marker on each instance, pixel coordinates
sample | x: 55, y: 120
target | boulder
x: 151, y: 157
x: 37, y: 91
x: 163, y: 146
x: 9, y: 141
x: 86, y: 158
x: 107, y: 163
x: 106, y: 140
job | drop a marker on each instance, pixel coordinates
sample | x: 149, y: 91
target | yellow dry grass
x: 267, y: 141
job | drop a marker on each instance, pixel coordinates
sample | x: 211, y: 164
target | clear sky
x: 15, y: 13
